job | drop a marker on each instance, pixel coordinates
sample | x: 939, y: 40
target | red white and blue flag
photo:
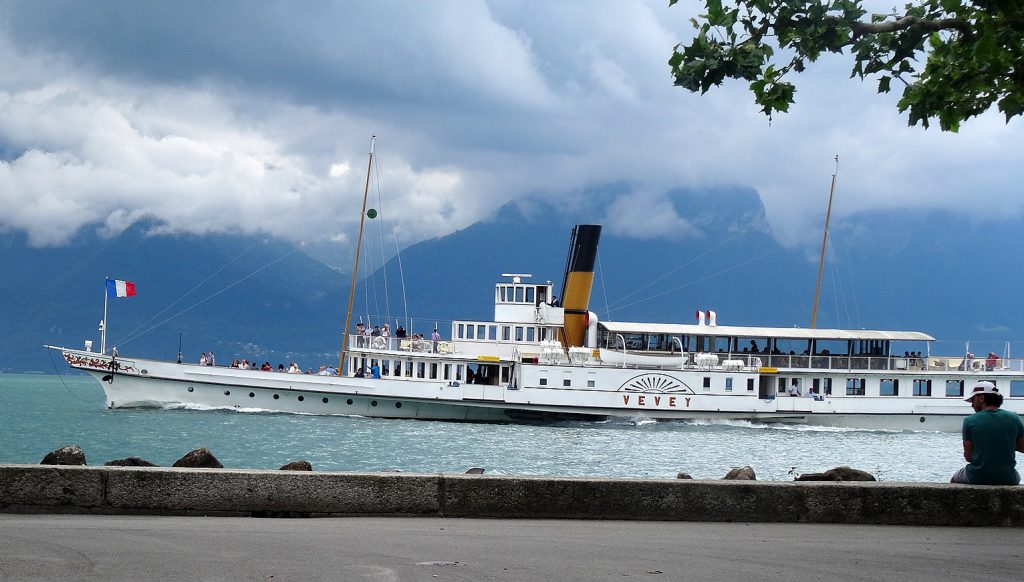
x: 118, y: 288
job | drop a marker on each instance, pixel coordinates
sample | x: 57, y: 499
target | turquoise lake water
x: 45, y: 412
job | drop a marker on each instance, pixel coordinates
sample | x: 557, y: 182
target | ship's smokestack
x: 579, y: 278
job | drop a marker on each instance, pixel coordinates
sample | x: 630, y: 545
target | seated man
x: 991, y: 438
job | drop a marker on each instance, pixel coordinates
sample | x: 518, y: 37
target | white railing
x: 405, y: 344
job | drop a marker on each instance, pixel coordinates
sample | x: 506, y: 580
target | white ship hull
x: 149, y: 383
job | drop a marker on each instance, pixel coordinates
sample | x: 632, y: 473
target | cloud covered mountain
x: 265, y: 299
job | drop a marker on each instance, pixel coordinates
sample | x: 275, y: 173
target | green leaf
x: 883, y: 84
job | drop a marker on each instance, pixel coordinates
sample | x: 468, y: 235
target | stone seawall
x: 227, y: 492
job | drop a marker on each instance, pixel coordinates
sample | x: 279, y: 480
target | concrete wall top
x: 174, y: 491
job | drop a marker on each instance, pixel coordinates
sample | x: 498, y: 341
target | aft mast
x: 355, y: 268
x: 824, y: 241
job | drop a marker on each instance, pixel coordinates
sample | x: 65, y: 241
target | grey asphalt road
x: 75, y: 547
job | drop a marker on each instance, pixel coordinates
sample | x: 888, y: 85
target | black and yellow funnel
x: 579, y: 277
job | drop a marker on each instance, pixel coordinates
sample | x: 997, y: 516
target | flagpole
x: 103, y: 324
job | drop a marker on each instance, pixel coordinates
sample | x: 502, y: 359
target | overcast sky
x: 256, y: 116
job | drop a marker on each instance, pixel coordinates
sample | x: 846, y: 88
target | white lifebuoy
x: 380, y: 343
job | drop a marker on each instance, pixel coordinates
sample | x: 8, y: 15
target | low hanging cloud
x: 647, y: 215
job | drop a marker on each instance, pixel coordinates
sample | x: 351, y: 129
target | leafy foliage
x: 954, y: 58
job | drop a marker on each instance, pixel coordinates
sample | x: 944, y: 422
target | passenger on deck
x: 375, y: 371
x: 794, y: 389
x: 968, y: 362
x: 753, y: 346
x: 375, y: 332
x: 385, y: 331
x: 267, y: 367
x: 202, y: 359
x: 211, y: 360
x: 400, y: 332
x: 991, y: 361
x: 294, y: 369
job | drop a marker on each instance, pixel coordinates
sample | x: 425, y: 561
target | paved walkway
x: 54, y: 547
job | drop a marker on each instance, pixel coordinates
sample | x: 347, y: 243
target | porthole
x: 325, y: 401
x: 301, y: 398
x: 191, y: 389
x: 373, y: 403
x: 227, y: 393
x: 276, y: 396
x: 921, y: 419
x: 349, y: 402
x: 144, y: 372
x: 398, y: 405
x: 252, y: 395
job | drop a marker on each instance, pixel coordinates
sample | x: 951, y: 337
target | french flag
x: 118, y: 288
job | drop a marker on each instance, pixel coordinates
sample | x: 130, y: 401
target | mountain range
x: 261, y: 298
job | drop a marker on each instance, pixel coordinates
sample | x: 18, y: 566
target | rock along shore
x: 265, y: 493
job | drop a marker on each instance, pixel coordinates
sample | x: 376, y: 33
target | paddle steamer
x: 544, y: 357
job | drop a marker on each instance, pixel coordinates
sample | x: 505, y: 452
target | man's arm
x: 969, y: 449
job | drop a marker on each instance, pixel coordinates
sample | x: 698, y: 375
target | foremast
x: 355, y: 267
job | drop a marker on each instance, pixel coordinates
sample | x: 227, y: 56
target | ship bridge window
x: 954, y: 387
x: 722, y: 344
x: 888, y: 387
x: 519, y: 295
x: 531, y: 334
x: 922, y: 387
x: 506, y: 332
x: 1016, y: 387
x: 818, y: 383
x: 530, y: 294
x: 481, y: 331
x: 855, y: 386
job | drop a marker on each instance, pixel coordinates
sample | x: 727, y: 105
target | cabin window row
x: 480, y: 374
x: 492, y: 332
x: 922, y: 387
x: 663, y: 342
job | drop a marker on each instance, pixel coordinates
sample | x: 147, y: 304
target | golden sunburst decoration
x: 660, y: 383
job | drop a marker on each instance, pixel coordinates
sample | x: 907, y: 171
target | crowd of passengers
x: 209, y: 359
x: 365, y: 331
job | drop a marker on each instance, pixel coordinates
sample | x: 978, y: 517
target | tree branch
x: 862, y: 28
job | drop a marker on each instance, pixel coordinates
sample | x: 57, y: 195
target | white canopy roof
x: 763, y: 332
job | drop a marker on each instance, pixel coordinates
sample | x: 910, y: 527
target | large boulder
x: 741, y: 474
x: 69, y: 455
x: 129, y: 462
x: 838, y: 474
x: 300, y: 465
x: 198, y: 459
